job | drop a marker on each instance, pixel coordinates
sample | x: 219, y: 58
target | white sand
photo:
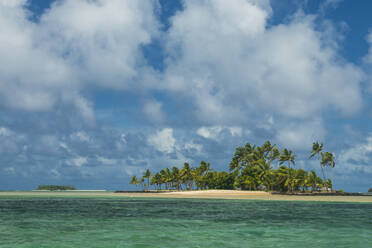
x: 207, y: 194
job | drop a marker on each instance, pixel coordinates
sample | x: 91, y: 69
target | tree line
x: 251, y: 168
x: 55, y: 187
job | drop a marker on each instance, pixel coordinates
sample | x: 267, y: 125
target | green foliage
x: 251, y: 168
x: 147, y: 175
x: 135, y: 181
x: 370, y: 190
x: 55, y: 187
x: 317, y: 148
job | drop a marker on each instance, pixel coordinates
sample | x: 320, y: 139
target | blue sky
x: 93, y: 92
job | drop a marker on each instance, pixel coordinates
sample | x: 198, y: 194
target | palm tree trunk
x: 324, y: 177
x: 332, y: 177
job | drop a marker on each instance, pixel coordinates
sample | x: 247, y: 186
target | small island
x: 252, y: 168
x: 55, y: 187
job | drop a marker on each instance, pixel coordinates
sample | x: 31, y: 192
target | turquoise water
x: 137, y: 222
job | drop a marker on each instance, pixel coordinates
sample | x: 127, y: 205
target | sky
x: 93, y: 92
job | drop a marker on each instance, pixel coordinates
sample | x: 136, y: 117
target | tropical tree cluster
x: 185, y: 178
x: 251, y: 168
x: 55, y: 187
x: 254, y: 169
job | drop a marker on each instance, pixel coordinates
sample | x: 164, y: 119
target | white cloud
x: 368, y: 57
x: 236, y: 131
x: 76, y: 43
x: 106, y: 161
x: 5, y: 131
x: 300, y: 135
x: 31, y: 78
x: 80, y: 136
x: 163, y: 140
x: 214, y: 132
x: 221, y: 58
x: 102, y: 38
x: 330, y: 3
x: 356, y: 158
x: 153, y: 110
x: 209, y: 132
x: 55, y: 173
x: 9, y: 170
x: 78, y: 161
x: 193, y: 146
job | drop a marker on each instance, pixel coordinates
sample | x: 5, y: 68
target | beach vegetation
x: 55, y: 187
x: 135, y: 181
x: 252, y: 167
x: 147, y: 175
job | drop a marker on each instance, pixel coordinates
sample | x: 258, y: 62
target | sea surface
x: 144, y: 222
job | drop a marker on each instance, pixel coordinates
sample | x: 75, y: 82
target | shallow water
x: 138, y: 222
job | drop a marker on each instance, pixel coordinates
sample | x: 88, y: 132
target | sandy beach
x: 207, y: 194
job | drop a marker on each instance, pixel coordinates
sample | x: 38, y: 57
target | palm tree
x: 156, y: 180
x: 147, y: 175
x: 327, y: 160
x: 135, y: 181
x: 264, y: 173
x: 317, y: 148
x: 167, y: 177
x: 317, y: 152
x: 301, y: 176
x: 285, y: 177
x: 187, y: 177
x: 142, y: 182
x: 176, y: 177
x: 312, y: 180
x: 287, y: 156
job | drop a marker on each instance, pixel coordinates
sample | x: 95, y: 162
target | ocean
x: 153, y: 222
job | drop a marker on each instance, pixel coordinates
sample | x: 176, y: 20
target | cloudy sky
x: 95, y: 91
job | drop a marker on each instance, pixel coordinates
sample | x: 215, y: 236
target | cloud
x: 106, y: 161
x: 102, y: 38
x: 357, y: 158
x: 163, y: 140
x: 78, y: 162
x: 300, y: 136
x: 31, y: 78
x: 4, y: 131
x: 222, y: 59
x: 229, y: 73
x: 74, y: 45
x: 368, y: 57
x: 153, y: 111
x: 330, y: 3
x: 209, y: 132
x: 80, y: 136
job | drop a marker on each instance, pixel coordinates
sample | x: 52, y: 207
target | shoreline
x: 207, y: 194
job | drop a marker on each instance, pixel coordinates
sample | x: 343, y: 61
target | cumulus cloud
x: 80, y: 136
x: 215, y: 132
x: 106, y: 161
x: 209, y: 132
x: 356, y: 158
x: 153, y: 111
x: 300, y: 136
x: 228, y: 75
x: 30, y: 77
x: 163, y: 140
x: 78, y: 162
x: 102, y: 38
x: 368, y: 57
x: 223, y: 59
x: 75, y: 44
